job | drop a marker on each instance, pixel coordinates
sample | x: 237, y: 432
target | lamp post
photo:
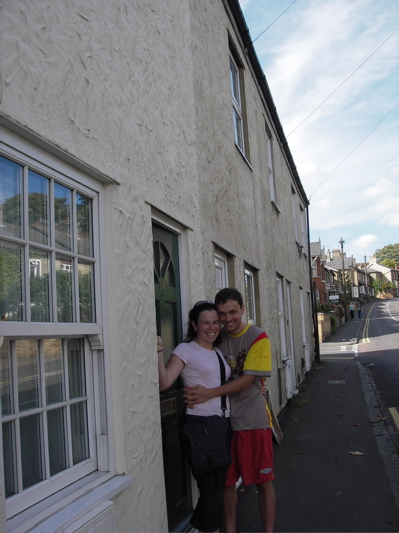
x: 341, y: 242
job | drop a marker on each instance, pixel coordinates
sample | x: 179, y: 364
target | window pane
x: 249, y: 296
x: 80, y: 439
x: 31, y: 451
x: 56, y: 441
x: 84, y: 225
x: 39, y: 273
x: 10, y: 476
x: 238, y: 129
x: 11, y: 278
x: 38, y: 203
x: 86, y: 292
x: 28, y: 374
x: 54, y: 373
x: 234, y: 82
x: 76, y: 369
x: 64, y: 285
x: 5, y: 377
x: 10, y: 198
x: 63, y: 217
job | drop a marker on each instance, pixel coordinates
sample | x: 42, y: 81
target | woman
x: 197, y: 362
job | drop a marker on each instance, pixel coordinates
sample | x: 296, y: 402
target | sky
x: 333, y: 70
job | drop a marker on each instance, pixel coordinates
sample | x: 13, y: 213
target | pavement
x: 337, y: 466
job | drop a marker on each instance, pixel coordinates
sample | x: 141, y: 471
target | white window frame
x: 221, y: 271
x: 250, y: 298
x: 270, y: 168
x: 237, y: 104
x: 303, y: 227
x: 295, y: 214
x: 100, y: 458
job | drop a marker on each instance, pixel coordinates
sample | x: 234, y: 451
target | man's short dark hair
x: 229, y: 294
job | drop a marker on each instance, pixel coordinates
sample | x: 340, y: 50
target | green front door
x: 168, y: 310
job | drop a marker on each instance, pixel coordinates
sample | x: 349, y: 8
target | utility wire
x: 273, y: 21
x: 371, y: 224
x: 356, y: 147
x: 339, y: 86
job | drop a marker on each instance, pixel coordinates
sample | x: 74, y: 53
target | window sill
x: 69, y: 505
x: 244, y: 157
x: 276, y: 207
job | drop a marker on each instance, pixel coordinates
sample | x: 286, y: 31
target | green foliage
x: 388, y: 255
x: 382, y: 286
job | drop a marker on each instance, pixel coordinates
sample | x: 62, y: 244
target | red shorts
x: 252, y: 457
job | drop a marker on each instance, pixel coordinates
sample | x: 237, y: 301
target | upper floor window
x: 237, y: 107
x: 270, y: 167
x: 303, y: 228
x: 294, y: 214
x: 46, y: 248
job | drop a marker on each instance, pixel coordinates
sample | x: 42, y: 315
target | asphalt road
x: 379, y: 350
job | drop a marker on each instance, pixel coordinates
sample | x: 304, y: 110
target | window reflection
x: 38, y: 206
x: 62, y: 216
x: 10, y: 198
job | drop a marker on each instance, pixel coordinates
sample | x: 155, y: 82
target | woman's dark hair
x: 193, y: 316
x: 227, y: 294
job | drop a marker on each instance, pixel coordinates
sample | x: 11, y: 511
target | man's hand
x: 195, y: 395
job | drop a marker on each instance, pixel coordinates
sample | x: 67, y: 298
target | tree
x: 388, y: 255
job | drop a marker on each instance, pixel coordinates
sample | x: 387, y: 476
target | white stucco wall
x: 111, y: 84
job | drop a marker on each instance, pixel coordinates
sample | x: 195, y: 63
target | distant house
x: 143, y: 167
x: 324, y: 277
x: 387, y: 276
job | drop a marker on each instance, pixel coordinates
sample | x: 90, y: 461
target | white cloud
x: 346, y: 152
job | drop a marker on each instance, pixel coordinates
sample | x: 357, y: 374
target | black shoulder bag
x: 206, y: 439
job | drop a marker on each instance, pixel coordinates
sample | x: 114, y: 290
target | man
x: 247, y: 350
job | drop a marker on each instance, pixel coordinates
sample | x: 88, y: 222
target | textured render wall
x: 237, y: 213
x: 110, y: 81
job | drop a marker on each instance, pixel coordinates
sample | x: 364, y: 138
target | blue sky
x: 346, y: 149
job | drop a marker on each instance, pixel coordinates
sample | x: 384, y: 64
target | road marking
x: 395, y: 416
x: 343, y: 348
x: 389, y: 312
x: 340, y: 357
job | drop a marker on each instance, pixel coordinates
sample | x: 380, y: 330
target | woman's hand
x: 159, y: 344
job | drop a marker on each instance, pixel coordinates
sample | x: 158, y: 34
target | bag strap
x: 223, y: 405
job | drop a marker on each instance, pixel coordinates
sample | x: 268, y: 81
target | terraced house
x: 143, y: 167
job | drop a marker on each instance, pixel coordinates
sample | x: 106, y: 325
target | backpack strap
x: 223, y: 405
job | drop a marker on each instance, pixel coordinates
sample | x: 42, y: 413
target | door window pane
x: 84, y: 221
x: 86, y: 294
x: 53, y: 367
x: 11, y: 278
x: 80, y: 439
x: 76, y: 369
x: 5, y: 377
x: 38, y: 206
x: 63, y: 217
x: 9, y: 463
x: 64, y: 285
x: 56, y: 441
x: 10, y: 198
x: 31, y: 450
x: 28, y: 374
x: 39, y: 273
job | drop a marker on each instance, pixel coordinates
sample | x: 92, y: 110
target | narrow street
x: 337, y: 467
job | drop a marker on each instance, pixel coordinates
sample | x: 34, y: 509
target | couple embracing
x: 243, y: 351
